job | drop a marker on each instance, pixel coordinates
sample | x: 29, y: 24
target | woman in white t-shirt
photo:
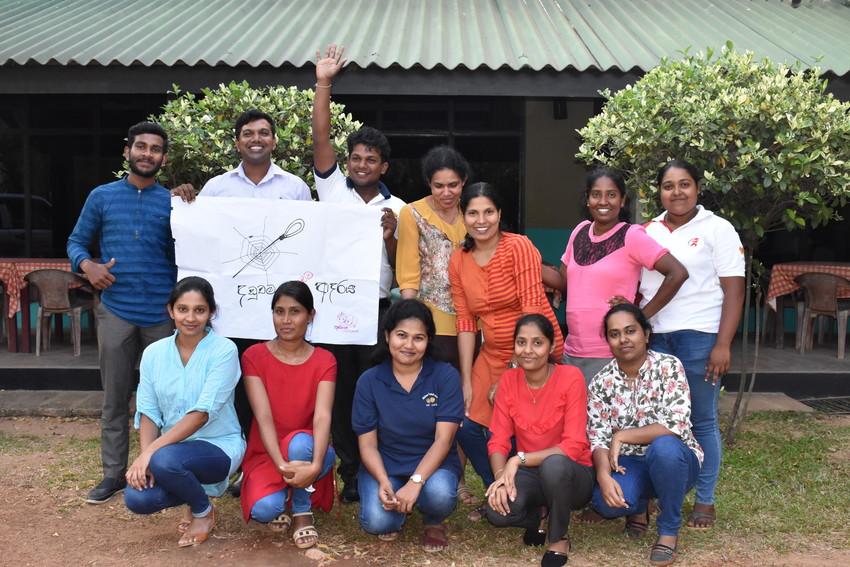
x: 698, y: 324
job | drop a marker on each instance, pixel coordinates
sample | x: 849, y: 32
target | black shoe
x: 107, y: 488
x: 349, y: 494
x: 235, y: 488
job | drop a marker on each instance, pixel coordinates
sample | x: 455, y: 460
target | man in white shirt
x: 368, y: 156
x: 256, y: 176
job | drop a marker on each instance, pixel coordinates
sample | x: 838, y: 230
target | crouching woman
x: 639, y: 428
x: 189, y: 435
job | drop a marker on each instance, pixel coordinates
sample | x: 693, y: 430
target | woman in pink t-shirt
x: 602, y: 266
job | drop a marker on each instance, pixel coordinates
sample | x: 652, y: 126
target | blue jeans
x: 270, y: 507
x: 667, y: 472
x: 437, y: 500
x: 472, y: 438
x: 179, y: 470
x: 693, y: 349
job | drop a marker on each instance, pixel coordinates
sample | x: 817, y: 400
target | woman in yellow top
x: 429, y: 231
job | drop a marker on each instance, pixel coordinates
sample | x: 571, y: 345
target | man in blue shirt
x: 136, y: 271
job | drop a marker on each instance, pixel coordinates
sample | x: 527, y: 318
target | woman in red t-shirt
x: 290, y: 384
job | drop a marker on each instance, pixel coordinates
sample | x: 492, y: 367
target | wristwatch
x: 521, y: 456
x: 417, y: 478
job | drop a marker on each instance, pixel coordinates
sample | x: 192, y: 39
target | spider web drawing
x: 261, y: 251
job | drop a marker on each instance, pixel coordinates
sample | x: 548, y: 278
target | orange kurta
x: 497, y: 294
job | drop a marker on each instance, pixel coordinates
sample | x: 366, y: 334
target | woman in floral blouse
x: 640, y: 433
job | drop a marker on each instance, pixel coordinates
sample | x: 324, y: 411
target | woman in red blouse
x: 542, y: 405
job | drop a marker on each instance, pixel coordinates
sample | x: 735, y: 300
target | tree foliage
x: 773, y: 145
x: 200, y: 130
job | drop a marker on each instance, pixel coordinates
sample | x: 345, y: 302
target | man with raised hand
x: 368, y: 156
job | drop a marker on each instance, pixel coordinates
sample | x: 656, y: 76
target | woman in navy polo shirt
x: 406, y: 413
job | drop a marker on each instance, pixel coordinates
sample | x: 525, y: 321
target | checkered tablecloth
x: 13, y: 270
x: 782, y: 277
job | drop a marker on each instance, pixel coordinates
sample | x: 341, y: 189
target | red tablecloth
x: 782, y: 277
x: 12, y: 272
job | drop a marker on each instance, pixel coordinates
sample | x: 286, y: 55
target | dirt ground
x: 44, y: 521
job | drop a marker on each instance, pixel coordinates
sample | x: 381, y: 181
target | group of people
x: 622, y: 423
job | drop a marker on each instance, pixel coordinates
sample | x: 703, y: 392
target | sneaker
x: 107, y: 488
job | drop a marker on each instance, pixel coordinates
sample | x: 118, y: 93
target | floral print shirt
x: 660, y: 395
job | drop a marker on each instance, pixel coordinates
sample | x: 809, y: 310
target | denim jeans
x: 437, y: 500
x: 270, y: 507
x: 178, y: 471
x: 667, y: 472
x: 693, y: 349
x: 472, y: 438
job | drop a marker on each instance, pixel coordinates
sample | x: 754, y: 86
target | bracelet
x: 318, y: 86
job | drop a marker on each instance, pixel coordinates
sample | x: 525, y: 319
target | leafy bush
x: 773, y: 145
x: 200, y: 129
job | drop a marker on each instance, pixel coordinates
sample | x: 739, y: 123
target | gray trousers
x: 559, y: 483
x: 120, y: 343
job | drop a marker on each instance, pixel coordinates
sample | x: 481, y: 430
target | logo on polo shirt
x: 693, y: 241
x: 430, y: 400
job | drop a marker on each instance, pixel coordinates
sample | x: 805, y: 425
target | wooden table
x: 782, y: 283
x: 12, y: 272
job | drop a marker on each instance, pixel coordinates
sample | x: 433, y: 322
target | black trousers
x: 559, y: 483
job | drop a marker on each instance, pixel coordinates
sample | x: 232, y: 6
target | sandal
x: 662, y: 554
x: 694, y: 522
x: 308, y: 531
x: 281, y: 523
x: 477, y: 515
x: 190, y: 540
x: 184, y: 521
x: 589, y: 516
x: 390, y: 536
x: 557, y: 558
x: 466, y: 496
x: 635, y: 529
x: 433, y: 544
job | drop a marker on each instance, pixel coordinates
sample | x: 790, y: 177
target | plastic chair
x: 55, y: 296
x: 820, y: 293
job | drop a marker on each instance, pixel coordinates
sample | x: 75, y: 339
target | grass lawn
x: 783, y: 489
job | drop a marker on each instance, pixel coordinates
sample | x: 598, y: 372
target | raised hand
x: 328, y: 66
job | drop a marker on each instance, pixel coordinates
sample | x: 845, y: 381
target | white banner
x: 246, y: 248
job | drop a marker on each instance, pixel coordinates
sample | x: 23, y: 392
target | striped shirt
x: 134, y: 228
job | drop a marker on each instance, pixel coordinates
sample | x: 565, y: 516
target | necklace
x: 453, y: 215
x: 548, y: 375
x: 279, y: 354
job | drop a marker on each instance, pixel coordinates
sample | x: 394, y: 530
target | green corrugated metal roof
x: 494, y: 34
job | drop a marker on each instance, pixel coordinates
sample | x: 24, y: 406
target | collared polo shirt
x: 407, y: 421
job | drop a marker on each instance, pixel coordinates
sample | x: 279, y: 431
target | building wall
x: 554, y: 179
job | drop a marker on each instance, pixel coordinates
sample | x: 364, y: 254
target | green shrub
x: 200, y: 129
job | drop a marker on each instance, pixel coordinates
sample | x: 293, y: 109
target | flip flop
x: 436, y: 544
x: 390, y: 536
x: 198, y: 538
x: 696, y: 516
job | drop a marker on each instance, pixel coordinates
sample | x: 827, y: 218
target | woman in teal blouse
x: 188, y: 431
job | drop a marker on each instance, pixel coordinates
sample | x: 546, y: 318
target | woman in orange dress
x: 495, y: 279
